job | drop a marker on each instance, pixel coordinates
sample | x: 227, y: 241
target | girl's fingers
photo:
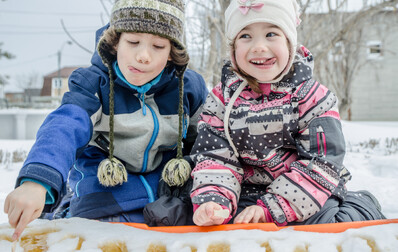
x: 204, y: 215
x: 248, y: 216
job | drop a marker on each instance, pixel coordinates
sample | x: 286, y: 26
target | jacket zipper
x: 320, y: 138
x: 78, y: 182
x: 321, y: 143
x: 155, y: 133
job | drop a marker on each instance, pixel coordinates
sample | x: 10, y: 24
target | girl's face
x: 142, y: 56
x: 261, y: 51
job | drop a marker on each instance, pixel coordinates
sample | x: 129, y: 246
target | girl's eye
x: 271, y: 34
x: 133, y: 42
x: 244, y: 36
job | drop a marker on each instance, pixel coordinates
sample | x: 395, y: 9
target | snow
x: 372, y: 158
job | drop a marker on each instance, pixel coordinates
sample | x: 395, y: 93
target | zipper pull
x: 309, y: 166
x: 142, y: 98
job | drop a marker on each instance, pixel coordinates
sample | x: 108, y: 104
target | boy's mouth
x: 263, y: 62
x: 134, y: 70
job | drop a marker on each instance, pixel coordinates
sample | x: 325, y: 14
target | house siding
x: 375, y: 87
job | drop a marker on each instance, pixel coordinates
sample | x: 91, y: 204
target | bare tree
x: 28, y: 82
x: 205, y: 37
x: 337, y: 39
x: 6, y: 55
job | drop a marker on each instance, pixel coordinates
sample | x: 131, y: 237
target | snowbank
x: 87, y: 235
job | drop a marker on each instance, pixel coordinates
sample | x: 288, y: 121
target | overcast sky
x: 32, y: 31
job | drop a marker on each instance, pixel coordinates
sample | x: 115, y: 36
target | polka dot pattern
x: 270, y: 132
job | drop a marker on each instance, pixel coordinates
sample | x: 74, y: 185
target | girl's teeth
x: 258, y: 61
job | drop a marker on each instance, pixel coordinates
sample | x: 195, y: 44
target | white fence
x: 21, y: 124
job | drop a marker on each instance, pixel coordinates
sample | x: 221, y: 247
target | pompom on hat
x: 164, y: 18
x: 282, y: 13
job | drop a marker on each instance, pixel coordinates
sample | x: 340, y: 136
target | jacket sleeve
x: 64, y: 134
x: 195, y: 95
x: 218, y: 174
x: 318, y: 172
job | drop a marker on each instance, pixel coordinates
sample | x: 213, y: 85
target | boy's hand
x: 251, y: 214
x: 204, y: 215
x: 24, y: 205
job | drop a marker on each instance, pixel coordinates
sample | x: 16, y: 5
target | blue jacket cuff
x: 49, y: 196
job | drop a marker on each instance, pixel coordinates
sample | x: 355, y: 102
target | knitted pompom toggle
x: 176, y: 172
x: 111, y: 172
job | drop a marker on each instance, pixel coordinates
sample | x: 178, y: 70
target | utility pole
x: 59, y: 54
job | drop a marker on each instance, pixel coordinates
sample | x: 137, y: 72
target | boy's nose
x: 143, y: 56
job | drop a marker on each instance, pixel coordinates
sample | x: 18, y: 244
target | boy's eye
x: 133, y: 42
x: 159, y: 46
x: 271, y: 34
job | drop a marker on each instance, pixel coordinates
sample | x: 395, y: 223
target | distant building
x: 55, y: 84
x: 13, y: 94
x: 375, y: 88
x: 30, y: 93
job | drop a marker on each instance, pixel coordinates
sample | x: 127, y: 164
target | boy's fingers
x: 22, y: 223
x: 6, y: 205
x: 13, y: 217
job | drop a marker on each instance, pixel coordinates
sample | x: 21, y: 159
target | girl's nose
x: 259, y: 46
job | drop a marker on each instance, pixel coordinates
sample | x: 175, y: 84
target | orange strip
x: 318, y: 228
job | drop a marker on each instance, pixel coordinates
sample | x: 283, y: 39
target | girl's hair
x: 253, y: 83
x: 179, y: 57
x: 250, y: 79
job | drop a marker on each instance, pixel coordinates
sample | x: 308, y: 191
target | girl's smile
x: 263, y: 63
x: 261, y: 51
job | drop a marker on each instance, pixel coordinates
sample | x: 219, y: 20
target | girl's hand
x: 251, y: 214
x: 24, y: 205
x: 204, y: 215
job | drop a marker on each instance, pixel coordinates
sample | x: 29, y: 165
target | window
x: 375, y: 50
x: 56, y: 83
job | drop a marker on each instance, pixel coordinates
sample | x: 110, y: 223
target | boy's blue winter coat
x: 146, y: 130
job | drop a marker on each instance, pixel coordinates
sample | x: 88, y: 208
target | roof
x: 64, y: 72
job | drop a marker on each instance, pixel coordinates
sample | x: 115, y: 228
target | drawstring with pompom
x: 177, y: 171
x: 111, y: 171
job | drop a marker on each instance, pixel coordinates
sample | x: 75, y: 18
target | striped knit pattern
x: 160, y: 17
x: 288, y: 140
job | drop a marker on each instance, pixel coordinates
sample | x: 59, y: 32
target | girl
x: 270, y: 146
x: 129, y: 106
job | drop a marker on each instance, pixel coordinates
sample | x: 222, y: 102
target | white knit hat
x: 282, y: 13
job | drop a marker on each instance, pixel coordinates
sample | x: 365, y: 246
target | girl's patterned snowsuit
x: 288, y: 139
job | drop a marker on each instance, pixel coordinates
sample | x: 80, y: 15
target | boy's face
x: 142, y: 56
x: 261, y: 51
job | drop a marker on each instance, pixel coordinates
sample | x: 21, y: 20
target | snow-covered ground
x: 372, y: 158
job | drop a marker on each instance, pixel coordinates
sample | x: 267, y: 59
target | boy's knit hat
x: 282, y: 13
x: 164, y: 18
